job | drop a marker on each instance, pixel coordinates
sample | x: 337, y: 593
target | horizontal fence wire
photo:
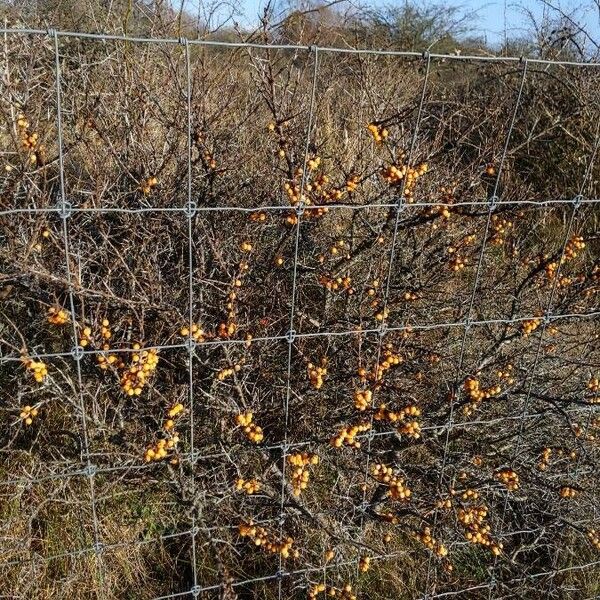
x: 80, y: 352
x: 105, y: 37
x: 547, y: 203
x: 92, y: 470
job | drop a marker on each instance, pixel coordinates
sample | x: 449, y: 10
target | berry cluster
x: 566, y: 491
x: 390, y: 359
x: 45, y: 232
x: 253, y: 431
x: 175, y: 410
x: 313, y: 163
x: 339, y: 283
x: 36, y: 367
x: 344, y: 593
x: 550, y: 269
x: 143, y: 365
x: 382, y: 314
x: 364, y: 563
x: 476, y: 394
x: 352, y: 183
x: 509, y: 478
x: 457, y: 263
x: 198, y: 334
x: 260, y: 537
x: 148, y: 185
x: 397, y: 488
x: 469, y: 494
x: 86, y: 337
x: 300, y: 474
x: 362, y: 399
x: 248, y: 486
x: 573, y: 247
x: 228, y: 372
x: 530, y: 325
x: 544, y: 459
x: 594, y: 538
x: 105, y: 331
x: 209, y: 161
x: 379, y: 133
x: 477, y: 531
x: 29, y: 139
x: 258, y: 217
x: 506, y: 374
x: 431, y: 543
x: 442, y: 210
x: 28, y: 414
x: 395, y: 174
x: 57, y: 316
x: 316, y: 374
x: 347, y: 435
x: 411, y: 428
x: 293, y: 193
x: 162, y: 446
x: 444, y: 503
x: 161, y: 449
x: 500, y: 228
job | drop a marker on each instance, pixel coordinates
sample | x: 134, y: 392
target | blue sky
x: 491, y: 15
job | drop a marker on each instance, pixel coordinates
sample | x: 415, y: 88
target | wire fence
x: 91, y: 468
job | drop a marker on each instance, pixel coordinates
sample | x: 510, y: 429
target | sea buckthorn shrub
x: 431, y: 418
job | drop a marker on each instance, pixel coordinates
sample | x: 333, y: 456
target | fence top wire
x: 104, y: 37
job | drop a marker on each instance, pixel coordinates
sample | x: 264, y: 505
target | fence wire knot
x: 190, y: 209
x: 65, y: 210
x: 77, y: 352
x: 190, y: 344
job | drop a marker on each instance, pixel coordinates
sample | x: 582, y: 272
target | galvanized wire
x: 455, y: 393
x: 76, y: 352
x: 484, y: 58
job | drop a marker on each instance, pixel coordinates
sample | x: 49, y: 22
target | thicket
x: 394, y: 380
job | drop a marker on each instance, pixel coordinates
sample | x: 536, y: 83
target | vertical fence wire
x: 400, y: 205
x: 291, y: 336
x: 455, y: 394
x: 65, y: 213
x: 191, y: 340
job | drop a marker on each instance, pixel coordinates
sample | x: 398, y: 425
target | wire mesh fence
x: 365, y: 295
